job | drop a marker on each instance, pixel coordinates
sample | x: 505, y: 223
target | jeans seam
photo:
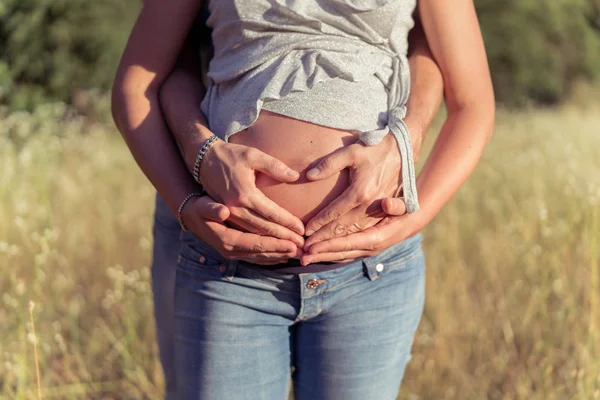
x: 404, y: 261
x: 353, y: 278
x: 266, y: 280
x: 191, y: 267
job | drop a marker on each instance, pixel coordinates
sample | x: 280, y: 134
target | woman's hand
x: 206, y: 219
x: 228, y: 173
x: 458, y: 48
x: 370, y: 242
x: 369, y: 214
x: 374, y: 174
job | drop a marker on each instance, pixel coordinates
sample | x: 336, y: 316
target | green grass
x: 512, y: 266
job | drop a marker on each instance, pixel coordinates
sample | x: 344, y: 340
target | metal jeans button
x: 314, y: 283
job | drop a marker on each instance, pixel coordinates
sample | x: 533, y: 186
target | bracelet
x: 180, y: 209
x: 200, y: 156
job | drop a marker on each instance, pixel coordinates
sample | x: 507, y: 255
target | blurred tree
x: 52, y: 49
x: 539, y: 48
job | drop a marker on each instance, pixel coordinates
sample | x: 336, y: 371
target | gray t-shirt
x: 335, y: 63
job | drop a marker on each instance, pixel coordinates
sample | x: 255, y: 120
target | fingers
x: 356, y: 220
x: 211, y: 210
x: 338, y: 207
x: 235, y: 241
x: 273, y: 212
x: 252, y: 222
x: 370, y: 240
x: 261, y: 250
x: 342, y: 256
x: 332, y: 164
x: 265, y: 262
x: 234, y: 244
x: 273, y: 167
x: 266, y: 258
x: 394, y: 206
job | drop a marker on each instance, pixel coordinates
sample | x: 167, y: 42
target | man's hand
x: 206, y: 219
x: 228, y: 173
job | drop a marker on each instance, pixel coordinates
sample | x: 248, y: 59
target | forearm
x: 152, y: 50
x: 142, y: 125
x: 453, y: 158
x: 427, y: 88
x: 180, y: 99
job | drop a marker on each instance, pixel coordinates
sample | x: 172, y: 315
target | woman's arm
x: 455, y: 39
x: 425, y: 97
x: 375, y: 169
x: 457, y: 46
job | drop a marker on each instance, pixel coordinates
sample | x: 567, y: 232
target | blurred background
x: 513, y: 260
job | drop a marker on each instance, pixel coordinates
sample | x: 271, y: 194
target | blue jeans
x: 244, y: 332
x: 167, y: 245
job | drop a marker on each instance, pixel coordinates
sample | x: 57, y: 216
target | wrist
x: 415, y: 131
x: 421, y: 218
x: 200, y: 156
x: 390, y: 142
x: 198, y: 134
x: 184, y: 212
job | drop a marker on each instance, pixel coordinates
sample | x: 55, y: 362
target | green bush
x: 51, y: 49
x: 539, y: 48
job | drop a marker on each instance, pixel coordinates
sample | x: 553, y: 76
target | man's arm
x: 180, y: 99
x: 152, y: 51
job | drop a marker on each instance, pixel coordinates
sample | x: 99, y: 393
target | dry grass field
x: 513, y: 307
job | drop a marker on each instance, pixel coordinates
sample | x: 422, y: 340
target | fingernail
x: 309, y: 232
x: 313, y: 173
x: 291, y: 173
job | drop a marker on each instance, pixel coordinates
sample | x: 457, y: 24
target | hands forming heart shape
x: 240, y: 222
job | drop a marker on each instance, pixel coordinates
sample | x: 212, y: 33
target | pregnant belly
x: 300, y: 145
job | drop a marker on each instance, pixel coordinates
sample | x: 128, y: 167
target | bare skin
x: 458, y: 48
x: 272, y: 134
x: 135, y: 101
x: 182, y: 92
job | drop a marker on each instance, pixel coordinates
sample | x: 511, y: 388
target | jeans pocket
x: 199, y: 258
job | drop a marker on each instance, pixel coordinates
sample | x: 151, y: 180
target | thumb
x: 209, y: 209
x: 273, y: 167
x: 394, y: 206
x: 331, y: 164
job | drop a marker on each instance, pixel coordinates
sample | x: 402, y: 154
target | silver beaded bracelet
x: 180, y: 209
x: 200, y: 156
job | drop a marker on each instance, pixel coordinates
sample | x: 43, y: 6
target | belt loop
x: 231, y: 269
x: 370, y: 268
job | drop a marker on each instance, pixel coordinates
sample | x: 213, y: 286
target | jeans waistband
x: 405, y: 247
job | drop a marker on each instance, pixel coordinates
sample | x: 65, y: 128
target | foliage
x: 51, y: 49
x: 539, y: 48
